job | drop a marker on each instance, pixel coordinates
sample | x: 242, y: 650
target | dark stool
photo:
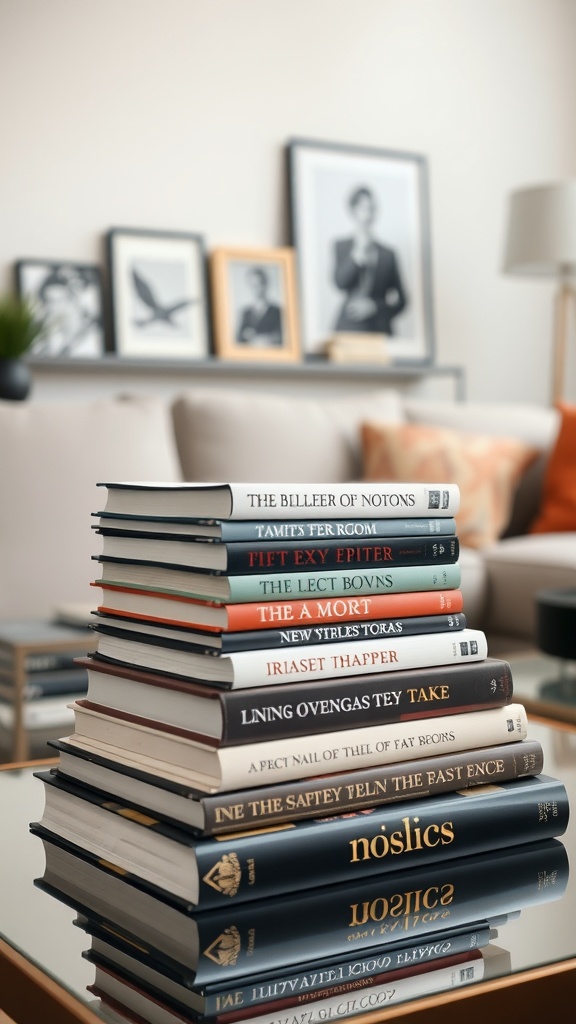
x: 556, y: 622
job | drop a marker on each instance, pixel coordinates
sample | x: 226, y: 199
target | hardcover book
x: 210, y: 641
x: 250, y: 715
x: 272, y: 586
x: 263, y: 935
x: 184, y: 611
x: 173, y: 801
x: 278, y: 556
x: 212, y: 769
x: 270, y: 667
x: 282, y: 501
x: 275, y: 529
x: 210, y: 872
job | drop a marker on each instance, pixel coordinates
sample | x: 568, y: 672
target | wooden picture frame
x: 360, y: 226
x: 254, y: 305
x: 159, y: 294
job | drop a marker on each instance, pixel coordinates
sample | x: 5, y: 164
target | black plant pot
x: 15, y: 379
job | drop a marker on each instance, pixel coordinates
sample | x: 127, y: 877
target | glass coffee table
x: 44, y: 977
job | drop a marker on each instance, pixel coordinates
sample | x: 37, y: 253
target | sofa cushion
x: 249, y: 435
x: 485, y: 468
x: 558, y: 506
x: 517, y: 568
x: 51, y: 457
x: 536, y: 426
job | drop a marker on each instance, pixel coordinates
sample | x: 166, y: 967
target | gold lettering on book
x: 225, y: 876
x: 226, y: 949
x: 411, y: 837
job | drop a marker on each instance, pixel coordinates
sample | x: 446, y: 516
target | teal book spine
x: 343, y: 583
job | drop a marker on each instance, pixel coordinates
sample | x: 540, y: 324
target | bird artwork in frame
x: 159, y: 294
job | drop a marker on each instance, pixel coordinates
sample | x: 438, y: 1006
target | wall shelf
x: 306, y: 370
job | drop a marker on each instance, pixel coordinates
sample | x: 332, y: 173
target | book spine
x: 250, y: 530
x: 342, y: 582
x: 360, y: 657
x: 293, y: 556
x: 357, y: 971
x: 266, y: 934
x: 257, y: 639
x: 318, y: 611
x: 254, y: 714
x: 154, y: 749
x: 301, y: 757
x: 350, y: 501
x: 275, y: 613
x: 351, y: 846
x: 371, y: 787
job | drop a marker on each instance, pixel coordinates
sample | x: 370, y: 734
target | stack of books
x: 276, y: 783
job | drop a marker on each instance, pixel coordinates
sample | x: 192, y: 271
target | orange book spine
x: 272, y: 614
x: 343, y: 609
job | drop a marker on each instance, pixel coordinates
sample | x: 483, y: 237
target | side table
x: 24, y: 647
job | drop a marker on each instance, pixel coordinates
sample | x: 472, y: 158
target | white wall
x: 174, y: 113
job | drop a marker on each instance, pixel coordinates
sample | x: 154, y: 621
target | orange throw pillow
x: 485, y: 468
x: 558, y: 508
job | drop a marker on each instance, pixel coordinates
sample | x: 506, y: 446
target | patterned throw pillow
x: 557, y: 512
x: 486, y: 469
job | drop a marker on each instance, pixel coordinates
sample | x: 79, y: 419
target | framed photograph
x: 360, y: 226
x: 69, y: 295
x: 254, y: 304
x: 159, y: 295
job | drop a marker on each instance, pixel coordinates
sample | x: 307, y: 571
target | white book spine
x: 357, y: 657
x: 283, y: 760
x: 349, y: 500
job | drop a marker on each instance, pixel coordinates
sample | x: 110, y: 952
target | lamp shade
x: 541, y: 238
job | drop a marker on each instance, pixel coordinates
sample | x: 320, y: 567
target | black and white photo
x: 359, y: 219
x: 254, y: 304
x: 159, y: 294
x: 68, y: 296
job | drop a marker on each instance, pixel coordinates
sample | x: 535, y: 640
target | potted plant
x: 20, y: 326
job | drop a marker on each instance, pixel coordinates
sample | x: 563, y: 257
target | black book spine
x: 259, y: 639
x: 280, y: 557
x: 256, y: 714
x: 385, y: 839
x: 385, y: 909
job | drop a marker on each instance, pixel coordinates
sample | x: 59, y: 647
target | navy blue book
x: 242, y: 557
x: 209, y: 873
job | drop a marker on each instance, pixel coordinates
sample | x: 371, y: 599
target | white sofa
x: 52, y: 455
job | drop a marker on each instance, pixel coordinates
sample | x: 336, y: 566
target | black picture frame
x: 159, y: 297
x: 70, y: 295
x: 329, y: 185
